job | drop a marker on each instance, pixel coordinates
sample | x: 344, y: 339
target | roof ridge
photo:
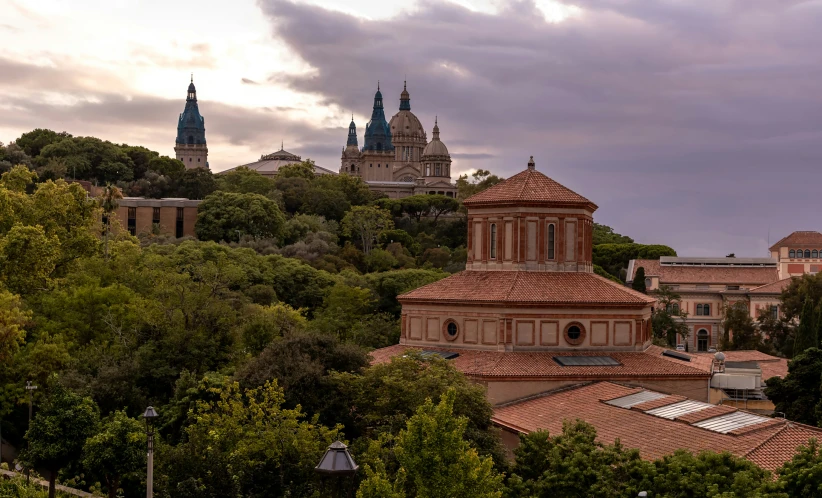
x: 766, y: 440
x: 550, y: 392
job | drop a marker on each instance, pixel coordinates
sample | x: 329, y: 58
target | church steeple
x: 190, y: 145
x: 377, y: 131
x: 405, y: 98
x: 192, y: 92
x: 352, y: 133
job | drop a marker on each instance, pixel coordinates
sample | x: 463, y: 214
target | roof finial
x: 531, y: 164
x: 378, y: 85
x: 192, y: 77
x: 282, y: 146
x: 404, y: 84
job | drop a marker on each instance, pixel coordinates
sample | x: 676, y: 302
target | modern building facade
x: 396, y: 157
x: 190, y: 146
x: 172, y: 217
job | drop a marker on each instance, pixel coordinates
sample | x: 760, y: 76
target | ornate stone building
x: 396, y: 158
x: 190, y: 146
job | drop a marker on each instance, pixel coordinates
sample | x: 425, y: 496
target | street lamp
x: 150, y: 415
x: 30, y: 388
x: 337, y: 461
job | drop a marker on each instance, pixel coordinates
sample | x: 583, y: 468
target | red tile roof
x: 801, y: 238
x: 541, y: 364
x: 772, y: 288
x: 768, y: 445
x: 771, y: 366
x: 529, y: 187
x: 706, y: 274
x: 527, y: 288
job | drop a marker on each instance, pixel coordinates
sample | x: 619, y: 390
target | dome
x: 435, y: 147
x: 406, y: 123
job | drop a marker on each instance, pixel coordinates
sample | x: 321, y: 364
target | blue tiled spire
x: 377, y: 131
x: 191, y: 125
x: 352, y: 133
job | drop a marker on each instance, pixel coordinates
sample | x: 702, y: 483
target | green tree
x: 263, y: 324
x: 802, y: 475
x: 668, y: 320
x: 109, y: 204
x: 479, y: 181
x: 684, y: 475
x: 34, y: 141
x: 603, y: 234
x: 343, y: 309
x: 58, y: 432
x: 246, y: 181
x: 13, y: 320
x: 196, y: 183
x: 575, y: 464
x: 798, y: 394
x: 366, y: 223
x: 28, y: 258
x: 639, y: 280
x: 778, y: 332
x: 442, y: 204
x: 434, y: 459
x: 614, y: 258
x: 736, y: 320
x: 117, y: 450
x: 801, y: 290
x: 246, y: 444
x: 228, y: 216
x: 807, y: 333
x: 18, y: 178
x: 304, y: 170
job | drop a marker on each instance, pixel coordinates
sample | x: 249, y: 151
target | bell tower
x: 190, y: 146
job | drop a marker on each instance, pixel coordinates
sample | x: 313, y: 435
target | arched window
x: 814, y: 253
x: 791, y: 253
x: 551, y: 241
x: 493, y: 241
x: 807, y: 253
x: 702, y: 340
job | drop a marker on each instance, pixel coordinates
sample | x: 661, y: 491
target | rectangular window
x: 775, y: 312
x: 493, y: 241
x: 703, y: 310
x: 699, y: 310
x: 551, y: 243
x: 132, y: 220
x: 180, y: 223
x: 155, y: 216
x: 732, y: 287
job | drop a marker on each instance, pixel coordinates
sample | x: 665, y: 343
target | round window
x: 451, y: 330
x: 574, y: 333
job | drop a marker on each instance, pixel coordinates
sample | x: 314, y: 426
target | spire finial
x: 404, y: 84
x: 378, y: 85
x: 192, y: 77
x: 282, y: 145
x: 531, y: 164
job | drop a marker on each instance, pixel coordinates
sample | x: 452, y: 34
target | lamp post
x: 150, y: 415
x: 337, y: 461
x: 30, y: 388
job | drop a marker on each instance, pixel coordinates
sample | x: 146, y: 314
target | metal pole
x: 150, y: 471
x: 30, y: 388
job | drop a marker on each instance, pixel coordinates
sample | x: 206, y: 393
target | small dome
x: 191, y: 88
x: 435, y: 147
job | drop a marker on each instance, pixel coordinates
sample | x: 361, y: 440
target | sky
x: 691, y: 123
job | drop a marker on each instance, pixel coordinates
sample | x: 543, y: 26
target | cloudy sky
x: 696, y: 124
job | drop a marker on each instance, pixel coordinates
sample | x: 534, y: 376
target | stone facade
x: 173, y: 217
x: 393, y: 158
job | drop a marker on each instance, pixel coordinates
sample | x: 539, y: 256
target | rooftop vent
x: 586, y: 361
x: 676, y: 355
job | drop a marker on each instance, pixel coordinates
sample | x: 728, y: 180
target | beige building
x: 798, y: 253
x: 269, y: 164
x: 173, y: 217
x: 396, y: 157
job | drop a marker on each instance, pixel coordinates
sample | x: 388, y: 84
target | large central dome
x: 404, y: 124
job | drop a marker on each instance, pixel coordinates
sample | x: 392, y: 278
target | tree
x: 614, y: 258
x: 34, y: 141
x: 684, y: 474
x: 196, y: 183
x: 13, y: 319
x: 639, y: 280
x: 18, y: 178
x: 480, y: 180
x: 575, y: 464
x: 245, y: 443
x: 737, y: 320
x: 304, y: 170
x: 109, y: 204
x: 603, y: 234
x: 343, y: 308
x: 117, y: 450
x: 228, y: 216
x: 365, y: 223
x: 802, y: 475
x: 668, y: 320
x: 28, y: 258
x: 434, y: 459
x: 807, y: 333
x: 778, y: 332
x: 58, y: 432
x: 246, y: 181
x: 801, y: 290
x: 798, y: 394
x: 442, y: 204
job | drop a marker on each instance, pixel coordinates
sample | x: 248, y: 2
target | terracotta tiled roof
x: 541, y: 364
x: 768, y: 445
x: 801, y: 238
x: 528, y: 287
x: 776, y: 368
x: 772, y: 288
x: 772, y: 366
x: 528, y: 187
x: 706, y: 274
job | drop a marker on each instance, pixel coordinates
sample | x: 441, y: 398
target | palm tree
x: 108, y: 201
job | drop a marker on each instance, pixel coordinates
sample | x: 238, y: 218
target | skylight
x: 635, y: 399
x: 678, y: 409
x: 445, y: 355
x: 586, y: 361
x: 724, y: 424
x: 676, y: 355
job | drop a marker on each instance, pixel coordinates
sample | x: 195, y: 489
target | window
x: 775, y: 312
x: 438, y: 170
x: 791, y: 253
x: 703, y: 310
x: 702, y: 340
x: 574, y: 333
x: 551, y: 241
x: 132, y: 220
x: 673, y: 308
x: 807, y: 253
x: 814, y: 253
x: 648, y: 283
x: 493, y: 241
x: 451, y: 329
x: 198, y: 159
x: 155, y: 216
x: 732, y: 287
x: 378, y: 165
x: 180, y: 223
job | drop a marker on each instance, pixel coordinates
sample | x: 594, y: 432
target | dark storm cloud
x: 696, y: 124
